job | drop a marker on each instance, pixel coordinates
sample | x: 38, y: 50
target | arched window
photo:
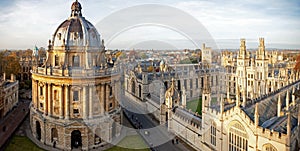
x: 133, y: 86
x: 56, y: 63
x: 269, y: 147
x: 76, y: 61
x: 238, y: 138
x: 213, y: 134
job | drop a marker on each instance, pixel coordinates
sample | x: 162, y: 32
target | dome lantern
x: 76, y: 9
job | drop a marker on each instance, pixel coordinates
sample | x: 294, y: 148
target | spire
x: 76, y: 9
x: 244, y: 99
x: 287, y: 99
x: 288, y: 127
x: 221, y: 104
x: 279, y: 106
x: 256, y: 115
x: 183, y: 99
x: 228, y: 93
x: 293, y: 97
x: 237, y: 102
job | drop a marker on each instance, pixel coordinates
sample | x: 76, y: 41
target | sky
x: 26, y: 23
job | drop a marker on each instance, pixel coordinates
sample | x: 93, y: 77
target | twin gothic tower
x: 73, y: 93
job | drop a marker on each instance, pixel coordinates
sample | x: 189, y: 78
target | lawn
x: 22, y: 143
x: 130, y: 142
x: 195, y: 105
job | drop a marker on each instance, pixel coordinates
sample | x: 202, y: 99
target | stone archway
x: 76, y: 140
x: 38, y: 130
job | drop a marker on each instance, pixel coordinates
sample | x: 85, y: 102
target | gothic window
x: 75, y: 61
x: 56, y: 63
x: 75, y: 95
x: 197, y: 83
x: 238, y: 138
x: 269, y: 147
x: 41, y: 105
x: 191, y: 83
x: 213, y: 134
x: 110, y: 105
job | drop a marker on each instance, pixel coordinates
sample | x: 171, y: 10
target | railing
x: 77, y: 72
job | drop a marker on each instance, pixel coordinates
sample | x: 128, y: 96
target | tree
x: 297, y: 66
x: 11, y: 65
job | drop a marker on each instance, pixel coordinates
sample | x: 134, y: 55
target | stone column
x: 50, y: 99
x: 37, y: 95
x: 84, y: 103
x: 91, y: 101
x: 67, y: 102
x: 46, y: 99
x: 34, y: 94
x: 102, y: 100
x: 61, y: 101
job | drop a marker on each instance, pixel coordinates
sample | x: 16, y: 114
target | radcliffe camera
x: 149, y: 75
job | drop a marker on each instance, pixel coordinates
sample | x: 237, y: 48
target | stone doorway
x: 38, y: 130
x: 76, y: 140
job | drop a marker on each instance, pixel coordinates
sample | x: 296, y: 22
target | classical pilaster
x: 46, y: 99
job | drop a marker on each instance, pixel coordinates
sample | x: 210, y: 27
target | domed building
x: 73, y: 93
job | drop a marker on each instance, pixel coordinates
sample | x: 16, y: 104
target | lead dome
x: 76, y: 31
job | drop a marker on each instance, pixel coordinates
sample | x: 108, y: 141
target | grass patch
x: 130, y: 142
x: 195, y: 105
x: 22, y: 143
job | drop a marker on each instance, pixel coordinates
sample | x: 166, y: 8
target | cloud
x: 26, y: 23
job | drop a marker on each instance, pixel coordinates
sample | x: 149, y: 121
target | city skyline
x: 227, y: 22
